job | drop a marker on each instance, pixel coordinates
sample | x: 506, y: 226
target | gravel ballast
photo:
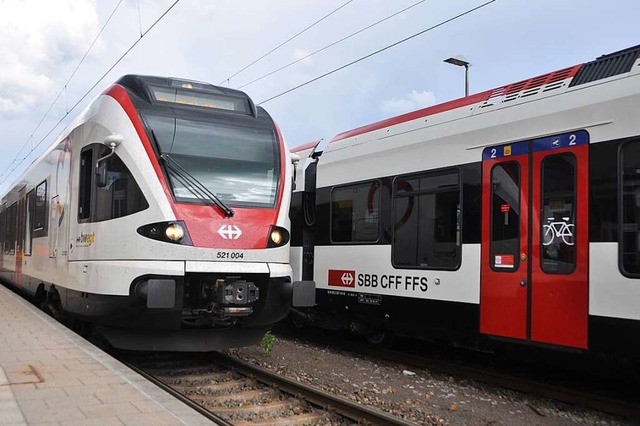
x: 416, y: 395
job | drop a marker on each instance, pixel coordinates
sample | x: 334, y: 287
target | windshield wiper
x: 192, y: 184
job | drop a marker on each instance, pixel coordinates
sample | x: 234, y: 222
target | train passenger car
x: 511, y: 214
x: 161, y: 215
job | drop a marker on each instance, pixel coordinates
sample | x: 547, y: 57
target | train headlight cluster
x: 278, y: 237
x: 169, y: 232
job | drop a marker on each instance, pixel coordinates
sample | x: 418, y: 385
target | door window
x: 505, y: 216
x: 40, y: 211
x: 558, y: 213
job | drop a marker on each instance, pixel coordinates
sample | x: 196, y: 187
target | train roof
x: 604, y: 66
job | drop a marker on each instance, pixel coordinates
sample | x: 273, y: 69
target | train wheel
x: 299, y: 319
x: 52, y: 306
x: 380, y: 337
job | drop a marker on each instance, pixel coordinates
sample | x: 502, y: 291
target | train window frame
x: 28, y: 219
x: 516, y: 257
x: 213, y: 118
x: 42, y: 210
x: 378, y: 222
x: 20, y: 224
x: 11, y: 236
x: 3, y: 221
x: 95, y: 212
x: 85, y: 184
x: 620, y: 200
x: 394, y: 196
x: 575, y: 209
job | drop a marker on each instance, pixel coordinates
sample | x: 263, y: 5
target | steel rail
x: 197, y: 407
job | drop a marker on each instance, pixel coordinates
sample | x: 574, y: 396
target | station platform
x: 51, y: 376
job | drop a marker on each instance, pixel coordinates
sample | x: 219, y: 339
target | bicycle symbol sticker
x: 553, y: 231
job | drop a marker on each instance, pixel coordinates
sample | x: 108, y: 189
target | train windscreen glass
x: 239, y: 164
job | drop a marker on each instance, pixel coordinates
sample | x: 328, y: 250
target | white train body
x: 510, y: 214
x: 87, y: 226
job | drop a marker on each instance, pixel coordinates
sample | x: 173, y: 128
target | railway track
x: 597, y: 393
x: 232, y: 392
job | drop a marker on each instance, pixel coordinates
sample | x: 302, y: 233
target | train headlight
x: 278, y: 237
x: 174, y: 232
x: 169, y: 232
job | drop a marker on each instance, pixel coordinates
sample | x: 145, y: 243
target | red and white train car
x: 511, y: 214
x: 161, y: 215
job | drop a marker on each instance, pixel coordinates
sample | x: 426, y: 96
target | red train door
x: 534, y: 273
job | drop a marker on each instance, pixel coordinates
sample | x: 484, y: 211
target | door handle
x: 523, y: 283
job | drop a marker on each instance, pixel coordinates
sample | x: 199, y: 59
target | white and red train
x: 161, y: 215
x: 511, y: 214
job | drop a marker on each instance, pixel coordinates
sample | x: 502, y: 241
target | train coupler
x: 231, y: 291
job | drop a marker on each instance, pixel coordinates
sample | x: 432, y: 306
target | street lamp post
x: 461, y: 63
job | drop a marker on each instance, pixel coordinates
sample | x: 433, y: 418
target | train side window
x: 3, y: 223
x: 20, y: 224
x: 40, y: 211
x: 85, y: 184
x: 505, y: 217
x: 11, y: 228
x: 630, y: 209
x: 121, y: 196
x: 28, y: 215
x: 426, y: 217
x: 355, y: 213
x: 558, y: 215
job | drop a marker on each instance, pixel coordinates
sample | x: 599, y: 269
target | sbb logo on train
x: 349, y: 278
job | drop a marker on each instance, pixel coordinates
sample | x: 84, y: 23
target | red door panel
x: 503, y: 297
x: 560, y: 247
x: 534, y: 285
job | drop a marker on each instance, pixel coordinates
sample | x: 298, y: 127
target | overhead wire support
x: 88, y: 91
x: 333, y: 44
x: 139, y: 17
x: 226, y: 80
x: 378, y: 51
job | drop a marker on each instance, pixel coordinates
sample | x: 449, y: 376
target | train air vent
x: 531, y: 87
x: 607, y: 66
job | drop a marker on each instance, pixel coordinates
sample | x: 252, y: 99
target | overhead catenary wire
x: 285, y: 42
x: 377, y: 51
x: 89, y: 90
x: 332, y: 44
x: 64, y: 87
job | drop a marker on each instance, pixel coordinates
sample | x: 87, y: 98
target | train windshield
x: 239, y: 164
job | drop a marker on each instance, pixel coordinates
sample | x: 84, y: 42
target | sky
x: 42, y: 42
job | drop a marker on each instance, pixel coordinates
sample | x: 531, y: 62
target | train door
x: 54, y: 217
x: 534, y: 273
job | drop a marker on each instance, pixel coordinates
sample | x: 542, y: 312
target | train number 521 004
x: 229, y: 255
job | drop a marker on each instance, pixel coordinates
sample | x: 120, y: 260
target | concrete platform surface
x: 51, y: 376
